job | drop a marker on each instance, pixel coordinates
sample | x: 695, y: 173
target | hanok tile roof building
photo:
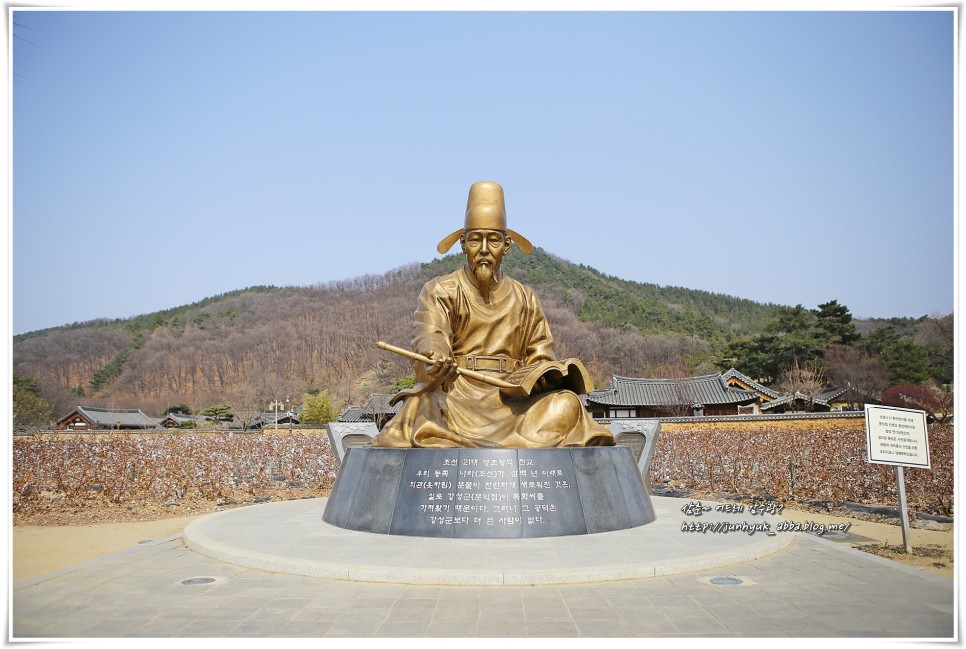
x: 352, y: 414
x: 176, y: 419
x: 831, y: 399
x: 271, y: 419
x: 796, y: 402
x: 693, y: 396
x: 376, y: 409
x: 736, y: 379
x: 91, y: 418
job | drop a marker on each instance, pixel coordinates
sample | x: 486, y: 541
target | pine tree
x: 317, y: 408
x: 834, y: 324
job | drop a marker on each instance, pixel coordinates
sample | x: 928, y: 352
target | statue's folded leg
x: 559, y: 419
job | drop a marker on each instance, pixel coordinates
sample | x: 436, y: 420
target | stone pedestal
x: 489, y: 493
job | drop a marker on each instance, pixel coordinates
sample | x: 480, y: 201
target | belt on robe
x: 481, y: 363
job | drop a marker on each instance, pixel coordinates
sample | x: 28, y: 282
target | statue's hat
x: 485, y: 210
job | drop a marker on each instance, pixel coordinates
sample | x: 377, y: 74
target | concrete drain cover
x: 196, y: 581
x: 726, y: 581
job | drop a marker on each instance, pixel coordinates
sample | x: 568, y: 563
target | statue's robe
x: 452, y: 319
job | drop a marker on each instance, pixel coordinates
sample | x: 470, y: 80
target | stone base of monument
x: 489, y: 493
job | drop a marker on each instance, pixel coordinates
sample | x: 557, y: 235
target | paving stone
x: 651, y: 624
x: 352, y: 614
x: 353, y: 629
x: 595, y: 629
x: 451, y: 629
x: 121, y: 628
x: 414, y: 615
x: 603, y: 615
x: 488, y: 618
x: 558, y: 629
x: 256, y: 628
x: 468, y: 614
x: 162, y: 628
x: 364, y: 601
x: 272, y: 614
x: 401, y: 629
x: 498, y: 630
x: 541, y: 612
x: 289, y: 602
x: 696, y: 622
x: 248, y: 602
x: 197, y: 629
x: 304, y: 629
x: 413, y: 603
x: 582, y: 603
x: 224, y: 613
x: 332, y: 603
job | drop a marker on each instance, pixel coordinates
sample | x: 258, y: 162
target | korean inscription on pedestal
x: 506, y: 494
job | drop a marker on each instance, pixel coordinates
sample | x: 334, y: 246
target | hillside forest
x: 241, y: 350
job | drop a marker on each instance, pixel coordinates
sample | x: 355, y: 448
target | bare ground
x: 933, y: 549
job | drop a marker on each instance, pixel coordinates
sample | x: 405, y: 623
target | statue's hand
x: 541, y: 386
x: 546, y: 383
x: 443, y: 368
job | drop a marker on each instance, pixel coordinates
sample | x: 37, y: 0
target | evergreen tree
x: 404, y: 383
x: 790, y: 339
x: 877, y: 341
x: 834, y: 324
x: 754, y: 357
x: 317, y: 408
x: 219, y: 412
x: 30, y: 410
x: 908, y: 362
x: 794, y: 338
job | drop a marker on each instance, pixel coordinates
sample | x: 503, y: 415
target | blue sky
x: 791, y: 157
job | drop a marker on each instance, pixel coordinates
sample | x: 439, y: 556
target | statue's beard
x: 484, y: 275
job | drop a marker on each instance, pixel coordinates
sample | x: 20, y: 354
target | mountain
x: 261, y: 343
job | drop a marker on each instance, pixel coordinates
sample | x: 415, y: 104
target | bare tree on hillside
x: 806, y: 379
x: 936, y: 334
x: 247, y: 405
x: 862, y: 374
x: 685, y: 396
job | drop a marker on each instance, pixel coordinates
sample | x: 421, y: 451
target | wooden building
x: 91, y: 418
x: 831, y: 399
x: 736, y: 379
x: 376, y: 410
x: 684, y: 397
x: 270, y: 420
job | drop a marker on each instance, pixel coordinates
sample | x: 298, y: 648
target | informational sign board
x: 897, y: 436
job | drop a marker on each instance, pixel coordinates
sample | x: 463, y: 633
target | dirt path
x: 38, y: 550
x: 889, y: 537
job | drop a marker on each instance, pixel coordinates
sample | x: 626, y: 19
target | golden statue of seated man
x: 479, y: 319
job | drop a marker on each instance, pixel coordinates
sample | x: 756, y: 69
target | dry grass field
x: 806, y: 460
x: 82, y: 479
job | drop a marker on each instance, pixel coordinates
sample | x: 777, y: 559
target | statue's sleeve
x: 540, y: 340
x: 432, y: 326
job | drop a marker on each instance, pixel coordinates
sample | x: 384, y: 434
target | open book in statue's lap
x: 568, y: 374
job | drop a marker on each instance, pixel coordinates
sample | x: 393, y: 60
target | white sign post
x: 898, y: 436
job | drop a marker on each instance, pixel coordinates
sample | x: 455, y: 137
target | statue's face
x: 485, y: 248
